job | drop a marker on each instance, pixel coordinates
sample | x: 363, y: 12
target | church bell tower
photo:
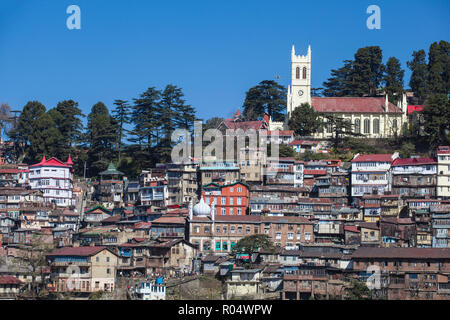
x: 300, y: 89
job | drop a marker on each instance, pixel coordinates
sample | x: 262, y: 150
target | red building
x: 230, y: 199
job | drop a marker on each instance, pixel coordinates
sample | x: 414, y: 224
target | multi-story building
x: 219, y: 234
x: 182, y: 182
x: 82, y: 269
x: 252, y: 162
x: 440, y: 223
x: 371, y: 174
x: 219, y: 172
x: 110, y: 191
x: 405, y: 273
x: 229, y: 199
x: 281, y: 171
x: 443, y: 170
x: 414, y: 177
x: 54, y: 178
x: 154, y: 194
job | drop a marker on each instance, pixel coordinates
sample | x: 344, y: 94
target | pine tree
x: 340, y: 82
x: 123, y: 117
x: 305, y: 120
x: 436, y: 115
x: 102, y: 135
x: 367, y: 71
x: 439, y: 68
x: 145, y: 119
x: 268, y: 96
x: 419, y: 75
x: 70, y: 126
x: 45, y: 139
x: 393, y: 79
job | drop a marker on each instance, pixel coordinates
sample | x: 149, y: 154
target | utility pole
x: 84, y: 172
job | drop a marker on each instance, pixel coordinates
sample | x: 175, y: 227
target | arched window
x: 394, y: 124
x: 304, y: 72
x: 366, y: 126
x: 376, y: 126
x: 206, y: 246
x: 357, y: 126
x: 297, y: 73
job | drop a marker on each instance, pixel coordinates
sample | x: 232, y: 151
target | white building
x: 54, y: 178
x: 151, y: 291
x: 443, y: 178
x: 299, y: 168
x: 374, y: 117
x: 371, y: 174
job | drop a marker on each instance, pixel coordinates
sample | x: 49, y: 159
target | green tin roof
x: 111, y: 170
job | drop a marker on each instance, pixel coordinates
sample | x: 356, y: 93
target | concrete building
x: 443, y: 178
x: 414, y: 177
x: 182, y: 182
x: 371, y: 174
x: 55, y: 179
x: 82, y: 269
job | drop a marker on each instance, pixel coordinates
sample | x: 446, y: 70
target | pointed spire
x: 309, y: 50
x: 69, y: 161
x: 43, y: 159
x: 293, y: 51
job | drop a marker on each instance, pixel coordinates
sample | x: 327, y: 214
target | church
x: 374, y: 117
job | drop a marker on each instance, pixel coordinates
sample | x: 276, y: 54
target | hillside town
x: 342, y: 196
x: 330, y: 223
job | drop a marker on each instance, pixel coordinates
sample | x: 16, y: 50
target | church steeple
x: 300, y: 89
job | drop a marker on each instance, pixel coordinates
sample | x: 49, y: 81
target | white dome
x: 202, y: 209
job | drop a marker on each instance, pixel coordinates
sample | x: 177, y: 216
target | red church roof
x: 352, y: 105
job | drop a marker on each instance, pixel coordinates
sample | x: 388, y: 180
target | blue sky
x: 214, y: 50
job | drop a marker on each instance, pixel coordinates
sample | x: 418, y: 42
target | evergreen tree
x: 268, y: 96
x: 123, y: 117
x: 70, y: 124
x: 44, y: 140
x: 145, y: 119
x: 26, y: 122
x: 436, y: 113
x: 419, y: 75
x: 305, y: 120
x: 393, y: 79
x: 439, y: 68
x: 340, y: 83
x: 102, y: 133
x: 367, y: 71
x: 340, y: 128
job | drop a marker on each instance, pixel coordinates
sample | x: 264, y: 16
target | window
x: 218, y: 229
x: 278, y: 235
x: 233, y: 229
x: 239, y: 229
x: 224, y: 200
x: 232, y: 244
x: 97, y: 259
x: 357, y: 126
x: 376, y: 126
x: 304, y: 72
x: 218, y: 246
x: 239, y: 201
x: 108, y: 271
x: 297, y: 73
x: 107, y: 259
x: 290, y: 236
x: 196, y: 229
x: 366, y: 126
x: 231, y: 200
x: 231, y: 211
x: 239, y: 211
x: 225, y: 230
x: 223, y: 211
x: 224, y: 245
x: 247, y: 230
